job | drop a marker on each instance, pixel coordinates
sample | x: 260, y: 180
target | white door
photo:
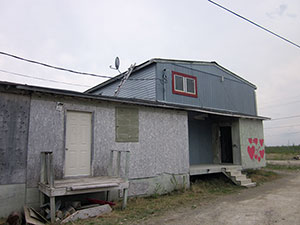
x: 78, y: 144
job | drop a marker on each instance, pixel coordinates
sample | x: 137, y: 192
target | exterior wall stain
x: 14, y: 114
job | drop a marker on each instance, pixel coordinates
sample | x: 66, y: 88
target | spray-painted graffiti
x: 256, y: 149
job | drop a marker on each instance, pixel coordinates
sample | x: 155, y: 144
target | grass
x: 282, y: 152
x: 283, y: 167
x: 203, y: 188
x: 261, y: 176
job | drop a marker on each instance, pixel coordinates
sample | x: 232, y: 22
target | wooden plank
x: 111, y: 161
x: 29, y: 219
x: 84, y: 187
x: 118, y: 163
x: 52, y: 209
x: 43, y: 170
x: 51, y: 171
x: 127, y: 164
x: 125, y: 195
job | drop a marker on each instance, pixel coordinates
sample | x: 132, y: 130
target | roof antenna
x: 117, y: 64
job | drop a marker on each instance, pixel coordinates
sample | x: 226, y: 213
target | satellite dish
x: 117, y: 63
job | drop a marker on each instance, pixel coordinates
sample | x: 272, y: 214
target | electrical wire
x: 250, y: 21
x: 43, y: 79
x: 271, y: 135
x: 283, y: 118
x: 67, y: 70
x: 287, y: 126
x: 277, y: 105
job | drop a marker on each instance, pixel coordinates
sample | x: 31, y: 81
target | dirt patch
x: 271, y: 203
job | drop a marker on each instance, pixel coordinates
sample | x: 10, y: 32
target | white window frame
x: 185, y: 79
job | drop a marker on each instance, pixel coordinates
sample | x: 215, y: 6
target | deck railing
x: 116, y: 161
x: 114, y: 169
x: 46, y: 175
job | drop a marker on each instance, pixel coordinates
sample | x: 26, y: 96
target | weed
x: 174, y: 182
x: 176, y: 185
x: 158, y: 190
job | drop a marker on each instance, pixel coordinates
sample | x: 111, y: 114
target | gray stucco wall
x: 162, y: 146
x: 232, y: 94
x: 252, y: 143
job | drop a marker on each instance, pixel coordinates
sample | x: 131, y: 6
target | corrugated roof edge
x: 155, y: 60
x: 8, y: 85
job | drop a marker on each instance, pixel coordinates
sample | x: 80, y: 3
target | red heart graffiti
x: 250, y: 140
x: 258, y: 159
x: 255, y: 141
x: 261, y: 141
x: 251, y: 151
x: 262, y: 153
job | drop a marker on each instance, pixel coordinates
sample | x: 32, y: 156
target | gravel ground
x: 276, y: 202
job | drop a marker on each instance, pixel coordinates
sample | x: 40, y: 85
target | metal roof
x: 160, y: 60
x: 15, y: 87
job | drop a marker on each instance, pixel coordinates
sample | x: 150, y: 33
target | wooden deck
x: 83, y: 185
x: 211, y: 168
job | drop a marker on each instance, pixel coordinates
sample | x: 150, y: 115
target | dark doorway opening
x: 226, y: 145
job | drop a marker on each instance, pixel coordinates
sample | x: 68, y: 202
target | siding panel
x: 231, y: 94
x: 143, y: 89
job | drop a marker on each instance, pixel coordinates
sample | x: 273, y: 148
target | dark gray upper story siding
x: 142, y: 89
x: 233, y: 94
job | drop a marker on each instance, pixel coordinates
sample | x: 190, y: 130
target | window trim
x: 184, y: 92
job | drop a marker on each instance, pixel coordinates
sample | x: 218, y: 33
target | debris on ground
x: 33, y: 217
x: 87, y: 213
x: 100, y: 202
x: 14, y: 218
x: 69, y: 211
x: 297, y: 157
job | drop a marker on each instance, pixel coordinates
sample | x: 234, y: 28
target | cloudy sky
x: 88, y: 35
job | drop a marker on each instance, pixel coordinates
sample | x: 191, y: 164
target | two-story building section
x: 223, y: 125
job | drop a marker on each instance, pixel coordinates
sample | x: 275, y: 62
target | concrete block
x: 12, y: 198
x: 87, y: 213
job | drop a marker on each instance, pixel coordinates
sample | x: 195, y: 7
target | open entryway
x: 78, y: 144
x: 226, y: 144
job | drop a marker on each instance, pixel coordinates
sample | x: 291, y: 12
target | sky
x: 87, y: 36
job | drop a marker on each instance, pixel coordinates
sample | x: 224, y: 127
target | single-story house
x: 176, y: 118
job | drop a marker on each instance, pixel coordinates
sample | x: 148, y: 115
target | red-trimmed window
x: 183, y: 84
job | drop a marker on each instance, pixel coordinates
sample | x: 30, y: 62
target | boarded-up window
x: 127, y: 124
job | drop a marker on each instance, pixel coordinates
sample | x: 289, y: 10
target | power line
x: 273, y: 101
x: 277, y: 105
x: 43, y: 79
x: 69, y: 70
x: 270, y: 135
x: 261, y: 27
x: 53, y: 67
x: 287, y: 126
x: 283, y: 118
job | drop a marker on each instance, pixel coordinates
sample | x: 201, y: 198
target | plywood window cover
x: 185, y: 77
x: 127, y: 124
